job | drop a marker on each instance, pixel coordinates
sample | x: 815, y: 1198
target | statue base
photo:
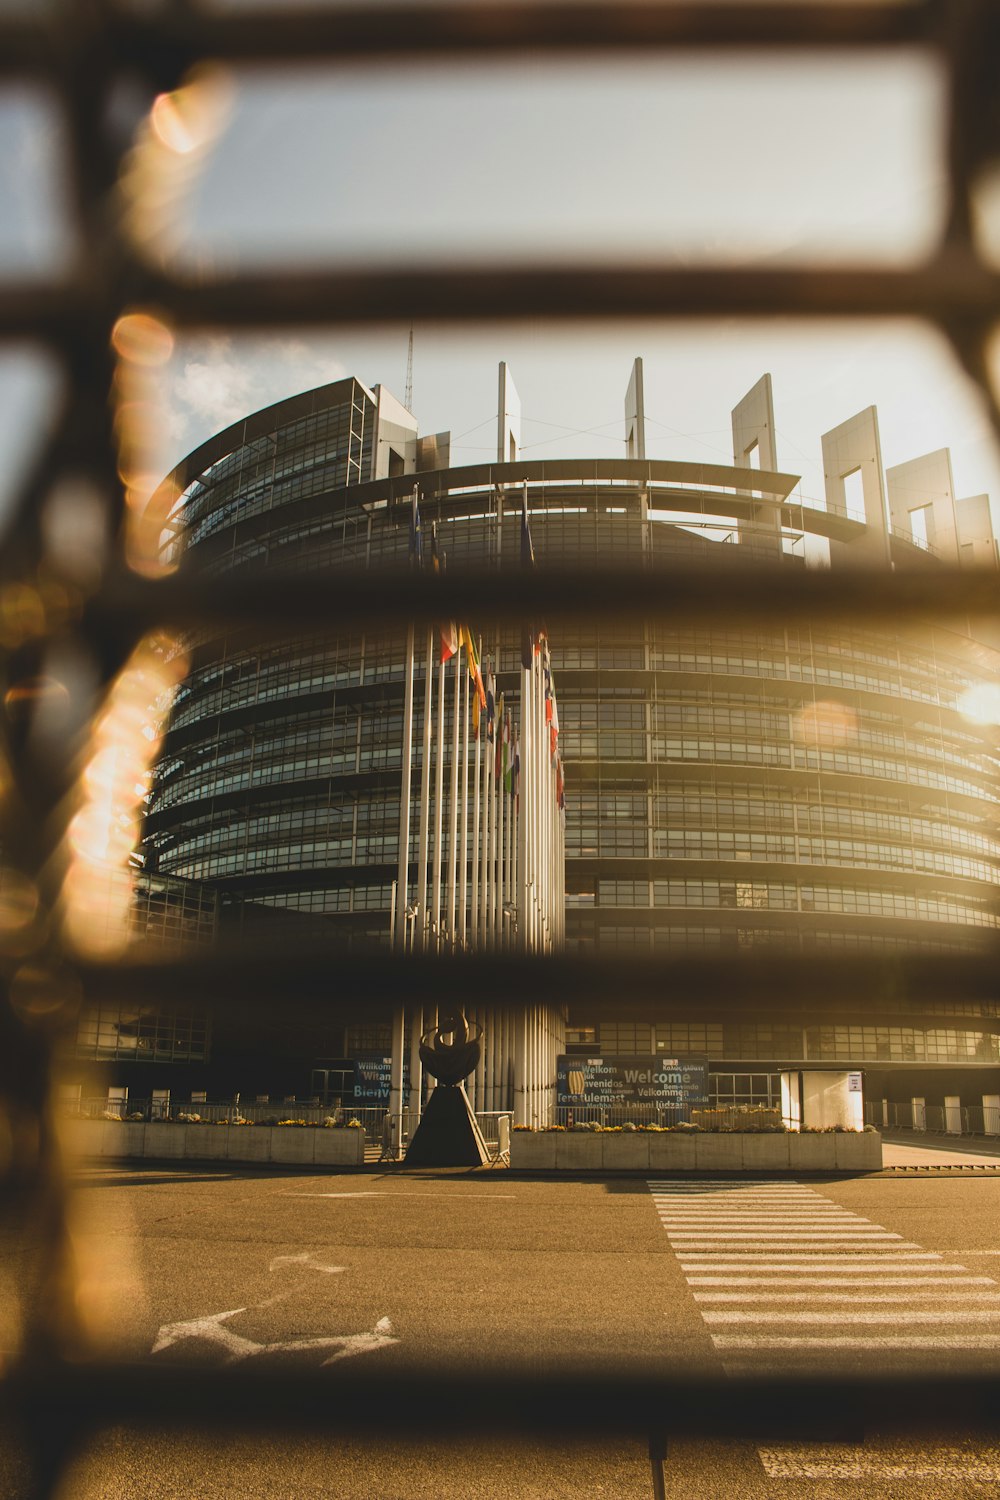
x: 448, y: 1135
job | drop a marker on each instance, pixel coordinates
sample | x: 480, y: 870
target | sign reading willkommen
x: 372, y: 1078
x: 631, y: 1080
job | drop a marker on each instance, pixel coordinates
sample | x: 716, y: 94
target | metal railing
x: 934, y: 1119
x: 91, y: 57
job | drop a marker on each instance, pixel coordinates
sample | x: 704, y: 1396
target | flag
x: 416, y: 535
x: 449, y: 640
x: 560, y: 787
x: 490, y: 704
x: 448, y: 629
x: 498, y: 756
x: 478, y: 701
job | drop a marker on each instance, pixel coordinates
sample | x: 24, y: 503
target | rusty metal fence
x: 88, y: 55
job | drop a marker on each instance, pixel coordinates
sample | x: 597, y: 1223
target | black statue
x: 449, y: 1061
x: 448, y: 1134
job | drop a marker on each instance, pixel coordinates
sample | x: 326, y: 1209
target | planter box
x: 291, y: 1143
x: 707, y: 1151
x: 250, y: 1143
x: 340, y: 1148
x: 626, y: 1152
x: 206, y: 1142
x: 579, y: 1150
x: 811, y: 1153
x: 535, y: 1151
x: 672, y: 1152
x: 765, y: 1153
x: 860, y: 1152
x: 718, y: 1153
x: 165, y: 1141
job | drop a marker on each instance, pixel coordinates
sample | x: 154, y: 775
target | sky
x: 770, y: 162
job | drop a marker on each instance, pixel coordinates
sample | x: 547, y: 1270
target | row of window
x: 778, y: 1043
x: 788, y: 896
x: 140, y: 1033
x: 680, y: 938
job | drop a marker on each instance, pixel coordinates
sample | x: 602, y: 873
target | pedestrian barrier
x: 95, y: 60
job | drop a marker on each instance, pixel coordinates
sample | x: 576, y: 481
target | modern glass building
x: 728, y: 789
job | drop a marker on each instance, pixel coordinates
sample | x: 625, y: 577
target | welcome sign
x: 610, y: 1080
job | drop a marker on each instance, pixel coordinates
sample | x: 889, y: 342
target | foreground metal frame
x: 81, y: 53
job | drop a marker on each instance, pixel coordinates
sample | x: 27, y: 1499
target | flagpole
x: 453, y: 802
x: 463, y: 856
x: 425, y: 795
x: 474, y: 893
x: 499, y: 816
x: 438, y: 815
x: 405, y: 793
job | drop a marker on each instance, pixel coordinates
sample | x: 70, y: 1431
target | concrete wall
x: 854, y: 447
x: 280, y: 1145
x: 925, y: 484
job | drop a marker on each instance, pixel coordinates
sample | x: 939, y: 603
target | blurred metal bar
x: 162, y: 1398
x: 231, y: 978
x: 183, y: 34
x: 953, y: 285
x: 273, y: 606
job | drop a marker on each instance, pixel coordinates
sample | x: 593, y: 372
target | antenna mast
x: 408, y: 396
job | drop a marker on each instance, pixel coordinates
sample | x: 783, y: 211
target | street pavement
x: 454, y: 1271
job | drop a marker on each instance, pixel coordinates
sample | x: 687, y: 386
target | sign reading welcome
x: 611, y: 1080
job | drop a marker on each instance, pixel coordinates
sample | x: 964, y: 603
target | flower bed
x: 691, y: 1149
x: 336, y: 1146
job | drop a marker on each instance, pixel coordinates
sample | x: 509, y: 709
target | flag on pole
x: 448, y: 629
x: 490, y: 704
x: 498, y: 759
x: 477, y: 699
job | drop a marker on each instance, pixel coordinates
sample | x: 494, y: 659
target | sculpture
x: 448, y: 1134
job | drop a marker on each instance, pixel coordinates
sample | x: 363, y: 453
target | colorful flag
x: 475, y: 672
x: 447, y: 628
x: 490, y: 703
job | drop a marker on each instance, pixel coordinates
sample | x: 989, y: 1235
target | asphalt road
x: 423, y: 1272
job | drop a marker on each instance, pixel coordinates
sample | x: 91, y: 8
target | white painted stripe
x: 705, y: 1245
x: 831, y: 1461
x: 843, y: 1236
x: 981, y: 1315
x: 853, y: 1297
x: 851, y: 1265
x: 901, y: 1341
x: 919, y: 1259
x: 840, y: 1281
x: 794, y: 1228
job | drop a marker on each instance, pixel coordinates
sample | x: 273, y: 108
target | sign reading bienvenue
x: 372, y: 1078
x: 631, y: 1080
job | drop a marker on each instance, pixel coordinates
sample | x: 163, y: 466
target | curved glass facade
x: 727, y: 789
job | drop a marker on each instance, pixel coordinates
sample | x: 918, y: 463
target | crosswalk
x: 788, y: 1281
x: 781, y: 1275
